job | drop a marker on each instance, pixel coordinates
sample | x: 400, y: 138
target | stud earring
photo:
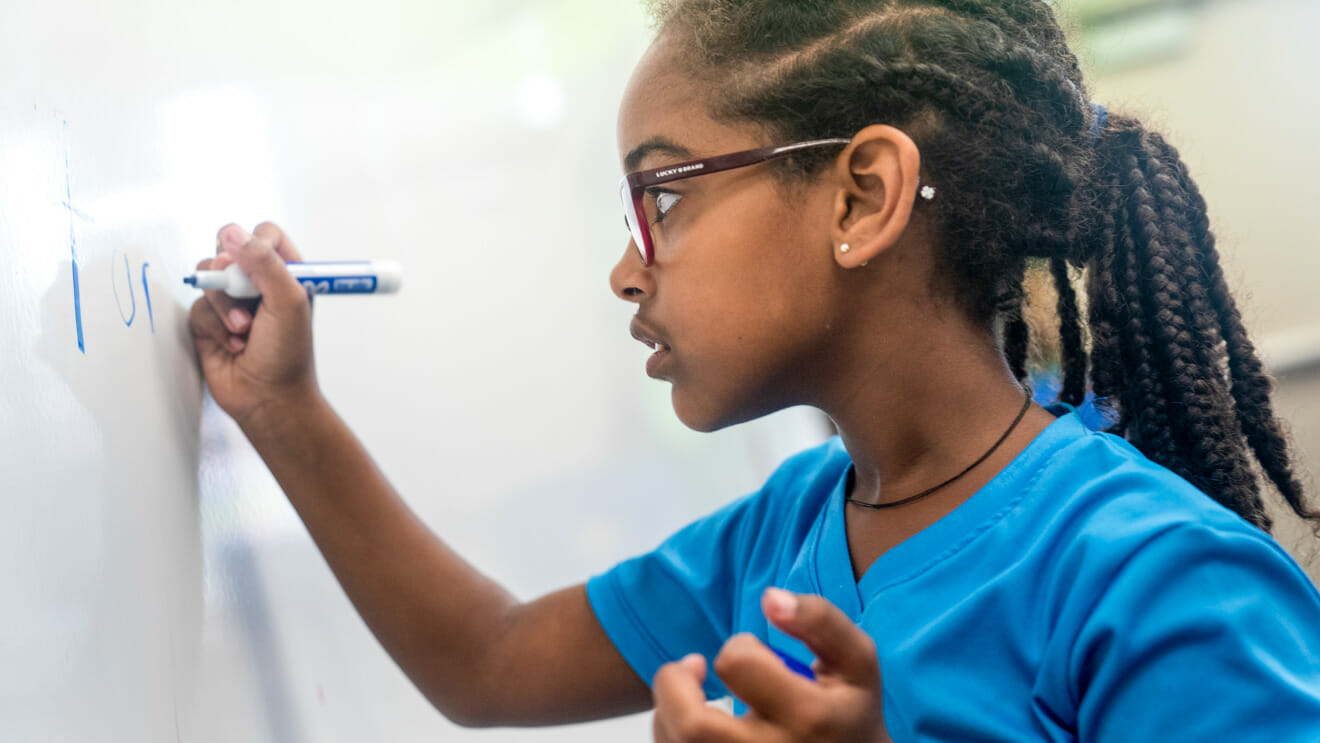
x: 927, y: 192
x: 844, y: 248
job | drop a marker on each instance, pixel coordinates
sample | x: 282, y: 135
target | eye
x: 665, y: 200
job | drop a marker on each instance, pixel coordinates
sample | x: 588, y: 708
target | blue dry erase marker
x: 795, y: 665
x: 329, y: 277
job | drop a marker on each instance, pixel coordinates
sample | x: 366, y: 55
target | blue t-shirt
x: 1085, y: 593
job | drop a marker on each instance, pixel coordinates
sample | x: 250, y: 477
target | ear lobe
x: 879, y: 173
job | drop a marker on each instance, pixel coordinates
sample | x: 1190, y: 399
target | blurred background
x: 500, y: 390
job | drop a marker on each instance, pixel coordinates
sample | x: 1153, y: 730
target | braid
x: 1250, y: 387
x: 1109, y: 366
x: 995, y: 101
x: 1146, y: 404
x: 1017, y: 336
x: 1210, y: 453
x: 1073, y: 359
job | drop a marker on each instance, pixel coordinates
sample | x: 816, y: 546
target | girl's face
x: 740, y: 300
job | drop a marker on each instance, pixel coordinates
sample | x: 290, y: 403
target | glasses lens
x: 630, y: 217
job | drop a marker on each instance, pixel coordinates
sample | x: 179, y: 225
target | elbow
x: 466, y: 713
x: 470, y: 706
x: 469, y: 719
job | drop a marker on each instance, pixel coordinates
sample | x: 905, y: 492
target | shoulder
x: 1137, y: 548
x: 802, y: 484
x: 1120, y: 528
x: 1109, y: 491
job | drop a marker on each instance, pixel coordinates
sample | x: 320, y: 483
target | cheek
x: 755, y: 263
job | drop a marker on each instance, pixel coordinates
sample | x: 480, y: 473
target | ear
x: 877, y: 176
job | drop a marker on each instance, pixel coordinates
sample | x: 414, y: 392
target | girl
x: 833, y: 203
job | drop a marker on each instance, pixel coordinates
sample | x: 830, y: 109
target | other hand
x: 843, y: 704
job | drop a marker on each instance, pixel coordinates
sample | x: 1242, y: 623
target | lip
x: 652, y: 340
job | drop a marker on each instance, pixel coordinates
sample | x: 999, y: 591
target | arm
x: 480, y: 656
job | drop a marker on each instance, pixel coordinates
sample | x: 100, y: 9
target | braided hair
x: 994, y: 99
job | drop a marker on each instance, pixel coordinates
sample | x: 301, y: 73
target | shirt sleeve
x: 1202, y: 634
x: 678, y: 599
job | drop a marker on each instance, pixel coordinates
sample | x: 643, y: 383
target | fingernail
x: 236, y: 344
x: 238, y: 318
x: 236, y: 238
x: 781, y: 602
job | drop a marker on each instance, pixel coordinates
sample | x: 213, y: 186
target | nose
x: 629, y: 279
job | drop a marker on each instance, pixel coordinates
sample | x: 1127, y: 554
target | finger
x: 677, y: 685
x: 753, y: 673
x: 841, y: 646
x: 237, y: 318
x: 678, y: 698
x: 281, y: 242
x: 209, y: 332
x: 681, y: 712
x: 257, y: 257
x: 229, y: 238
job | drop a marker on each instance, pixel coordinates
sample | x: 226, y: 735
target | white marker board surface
x: 154, y: 584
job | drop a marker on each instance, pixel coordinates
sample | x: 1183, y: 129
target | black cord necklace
x: 877, y: 506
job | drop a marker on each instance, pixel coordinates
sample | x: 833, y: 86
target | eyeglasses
x: 632, y: 189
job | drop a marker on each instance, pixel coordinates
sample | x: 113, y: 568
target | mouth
x: 660, y: 349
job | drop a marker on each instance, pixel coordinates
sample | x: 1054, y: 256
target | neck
x: 914, y: 419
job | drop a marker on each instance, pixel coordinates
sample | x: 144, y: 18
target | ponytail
x: 1171, y: 357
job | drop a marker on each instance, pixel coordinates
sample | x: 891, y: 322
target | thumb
x: 256, y: 257
x: 842, y: 647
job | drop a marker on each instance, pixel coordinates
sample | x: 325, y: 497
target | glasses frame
x: 632, y: 188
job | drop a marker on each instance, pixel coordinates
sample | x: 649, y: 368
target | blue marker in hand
x: 795, y: 665
x: 330, y: 277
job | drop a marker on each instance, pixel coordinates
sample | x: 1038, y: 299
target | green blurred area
x: 1093, y: 12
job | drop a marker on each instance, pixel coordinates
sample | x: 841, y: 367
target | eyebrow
x: 651, y: 146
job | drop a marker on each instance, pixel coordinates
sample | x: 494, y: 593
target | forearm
x: 481, y: 657
x: 434, y: 614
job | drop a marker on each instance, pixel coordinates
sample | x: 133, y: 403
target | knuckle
x: 818, y: 724
x: 196, y: 313
x: 218, y: 299
x: 270, y: 232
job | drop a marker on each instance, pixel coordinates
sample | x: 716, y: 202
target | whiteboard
x: 154, y: 584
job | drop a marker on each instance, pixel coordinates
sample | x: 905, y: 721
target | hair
x: 994, y: 99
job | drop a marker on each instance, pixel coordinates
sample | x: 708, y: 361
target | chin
x: 706, y: 417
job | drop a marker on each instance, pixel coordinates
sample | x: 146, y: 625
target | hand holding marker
x: 330, y: 277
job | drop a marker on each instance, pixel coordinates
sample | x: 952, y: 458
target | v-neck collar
x: 952, y: 532
x: 824, y: 565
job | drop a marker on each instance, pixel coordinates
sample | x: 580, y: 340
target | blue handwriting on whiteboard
x: 73, y: 242
x: 73, y: 253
